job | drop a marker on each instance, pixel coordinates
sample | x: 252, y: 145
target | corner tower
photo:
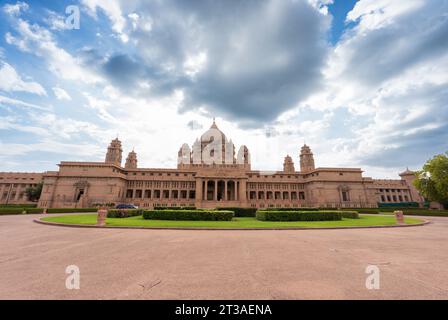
x: 114, y: 152
x: 288, y: 165
x: 306, y: 159
x: 131, y: 160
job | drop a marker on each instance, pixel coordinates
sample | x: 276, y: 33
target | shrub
x: 204, y: 215
x: 350, y: 214
x: 240, y: 212
x: 268, y: 215
x: 124, y: 213
x: 425, y: 212
x: 34, y: 210
x: 290, y: 209
x: 71, y: 210
x: 367, y: 210
x: 174, y: 208
x: 21, y: 206
x: 398, y: 205
x: 8, y: 211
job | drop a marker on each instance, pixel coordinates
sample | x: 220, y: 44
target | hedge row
x: 71, y: 210
x: 174, y: 208
x: 406, y: 211
x: 21, y: 206
x: 124, y: 213
x: 426, y: 212
x: 267, y: 215
x: 350, y: 214
x: 240, y: 212
x: 290, y: 209
x: 398, y: 204
x: 8, y: 211
x: 204, y: 215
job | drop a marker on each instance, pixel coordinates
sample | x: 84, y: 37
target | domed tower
x: 243, y: 155
x: 114, y: 152
x: 288, y: 165
x: 213, y: 146
x: 306, y: 159
x: 131, y: 160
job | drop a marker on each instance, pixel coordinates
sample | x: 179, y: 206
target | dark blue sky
x: 339, y: 10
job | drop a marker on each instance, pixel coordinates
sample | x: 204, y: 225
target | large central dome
x: 211, y: 135
x: 212, y: 148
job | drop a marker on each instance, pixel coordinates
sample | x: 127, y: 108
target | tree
x: 432, y: 180
x: 33, y: 193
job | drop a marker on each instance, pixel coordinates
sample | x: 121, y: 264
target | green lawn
x: 364, y: 220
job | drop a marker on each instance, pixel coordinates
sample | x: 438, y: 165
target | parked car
x: 126, y: 206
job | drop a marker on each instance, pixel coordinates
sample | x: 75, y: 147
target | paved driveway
x: 172, y: 264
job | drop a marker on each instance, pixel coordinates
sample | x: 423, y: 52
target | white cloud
x: 61, y: 94
x: 113, y: 11
x: 15, y: 9
x: 5, y: 101
x: 56, y: 21
x: 40, y: 41
x: 10, y: 80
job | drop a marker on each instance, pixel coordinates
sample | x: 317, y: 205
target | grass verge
x: 237, y: 222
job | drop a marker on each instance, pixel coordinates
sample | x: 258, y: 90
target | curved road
x: 173, y: 264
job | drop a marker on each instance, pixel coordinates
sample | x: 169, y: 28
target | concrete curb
x: 38, y: 220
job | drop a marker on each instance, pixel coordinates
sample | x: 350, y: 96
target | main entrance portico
x: 219, y: 187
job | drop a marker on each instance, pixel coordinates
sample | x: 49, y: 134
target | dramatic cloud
x: 389, y: 69
x: 249, y: 61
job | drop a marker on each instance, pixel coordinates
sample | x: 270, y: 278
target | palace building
x: 210, y: 174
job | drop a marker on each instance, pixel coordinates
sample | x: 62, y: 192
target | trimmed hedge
x: 9, y: 211
x: 240, y: 212
x: 367, y: 210
x: 174, y: 208
x: 267, y: 215
x: 34, y: 210
x: 197, y: 215
x: 406, y: 211
x: 350, y: 214
x: 398, y: 205
x: 124, y: 213
x: 425, y: 212
x: 71, y: 210
x: 21, y: 206
x: 289, y: 209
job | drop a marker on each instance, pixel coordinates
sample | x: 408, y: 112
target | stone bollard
x: 399, y: 216
x: 101, y: 218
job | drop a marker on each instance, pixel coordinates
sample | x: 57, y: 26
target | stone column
x: 237, y: 190
x: 199, y: 193
x: 225, y: 190
x: 215, y: 194
x: 243, y: 190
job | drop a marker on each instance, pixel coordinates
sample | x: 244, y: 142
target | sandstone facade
x: 210, y: 174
